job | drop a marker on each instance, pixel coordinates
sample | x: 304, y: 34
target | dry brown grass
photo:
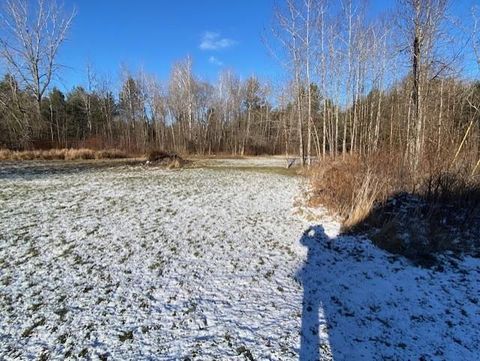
x: 380, y: 197
x: 369, y: 192
x: 52, y: 154
x: 62, y: 154
x: 349, y: 186
x: 110, y: 154
x: 74, y: 154
x: 175, y: 163
x: 5, y: 154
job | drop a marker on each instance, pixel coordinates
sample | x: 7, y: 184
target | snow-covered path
x: 134, y: 263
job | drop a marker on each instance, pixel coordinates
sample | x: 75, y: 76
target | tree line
x: 392, y: 83
x: 185, y: 115
x: 353, y: 84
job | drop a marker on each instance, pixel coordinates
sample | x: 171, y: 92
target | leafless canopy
x: 30, y: 37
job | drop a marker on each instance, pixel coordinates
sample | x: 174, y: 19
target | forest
x: 352, y: 84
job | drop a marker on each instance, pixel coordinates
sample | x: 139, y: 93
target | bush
x: 418, y: 216
x: 351, y: 185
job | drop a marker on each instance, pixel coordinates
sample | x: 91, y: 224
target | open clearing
x: 129, y: 262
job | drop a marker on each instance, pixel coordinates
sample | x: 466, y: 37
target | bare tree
x: 287, y: 30
x: 182, y: 91
x: 421, y: 23
x: 229, y: 105
x: 30, y: 40
x: 476, y: 34
x: 156, y: 107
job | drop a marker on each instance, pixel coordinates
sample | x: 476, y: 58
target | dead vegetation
x: 350, y: 185
x: 166, y: 159
x: 62, y: 154
x: 416, y: 216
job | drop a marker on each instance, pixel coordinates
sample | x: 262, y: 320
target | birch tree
x: 287, y: 30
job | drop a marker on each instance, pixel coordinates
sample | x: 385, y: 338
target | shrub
x: 415, y: 216
x: 349, y: 186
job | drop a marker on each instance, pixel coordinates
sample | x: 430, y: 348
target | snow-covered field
x: 214, y: 263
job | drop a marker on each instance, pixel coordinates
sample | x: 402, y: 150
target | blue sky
x: 155, y: 34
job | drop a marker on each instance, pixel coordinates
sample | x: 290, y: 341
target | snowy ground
x: 248, y: 162
x: 134, y: 263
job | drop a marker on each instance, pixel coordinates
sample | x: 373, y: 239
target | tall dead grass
x: 350, y: 186
x: 380, y: 196
x: 62, y: 154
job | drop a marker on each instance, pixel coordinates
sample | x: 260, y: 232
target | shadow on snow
x: 361, y: 303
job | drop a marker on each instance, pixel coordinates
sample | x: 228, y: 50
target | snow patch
x: 135, y: 263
